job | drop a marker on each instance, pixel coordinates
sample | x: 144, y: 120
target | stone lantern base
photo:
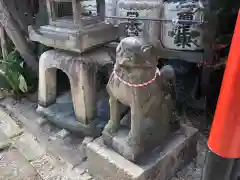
x: 78, y: 112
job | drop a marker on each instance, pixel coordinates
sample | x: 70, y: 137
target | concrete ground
x: 33, y: 149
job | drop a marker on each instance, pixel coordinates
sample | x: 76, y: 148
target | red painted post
x: 224, y: 139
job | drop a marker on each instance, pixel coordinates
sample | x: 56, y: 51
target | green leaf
x: 21, y: 64
x: 13, y: 71
x: 13, y: 79
x: 22, y: 84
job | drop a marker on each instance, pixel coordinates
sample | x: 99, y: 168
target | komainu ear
x: 146, y: 48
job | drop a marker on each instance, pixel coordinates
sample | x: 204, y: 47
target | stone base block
x: 62, y: 115
x: 161, y: 164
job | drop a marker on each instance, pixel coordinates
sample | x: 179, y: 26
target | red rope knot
x: 157, y: 72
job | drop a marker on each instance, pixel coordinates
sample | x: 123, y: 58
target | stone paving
x: 32, y: 149
x: 23, y: 158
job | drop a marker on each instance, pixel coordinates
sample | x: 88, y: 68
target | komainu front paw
x: 111, y: 128
x: 131, y: 140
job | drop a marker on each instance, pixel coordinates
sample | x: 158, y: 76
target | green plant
x: 14, y: 70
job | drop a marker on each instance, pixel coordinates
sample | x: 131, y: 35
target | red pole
x: 224, y: 139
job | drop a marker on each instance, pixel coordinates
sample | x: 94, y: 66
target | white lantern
x: 138, y: 8
x: 180, y: 36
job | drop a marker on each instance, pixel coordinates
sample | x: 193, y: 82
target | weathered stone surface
x: 193, y: 171
x: 162, y: 163
x: 8, y: 126
x: 63, y: 134
x: 13, y: 166
x: 37, y: 177
x: 75, y: 33
x: 45, y: 165
x: 41, y: 121
x: 68, y: 122
x: 81, y: 39
x: 4, y: 141
x: 83, y: 146
x: 29, y: 147
x: 51, y: 169
x: 86, y: 176
x: 69, y: 173
x: 25, y: 112
x: 62, y: 113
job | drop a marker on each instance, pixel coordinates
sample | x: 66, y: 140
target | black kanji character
x: 132, y: 24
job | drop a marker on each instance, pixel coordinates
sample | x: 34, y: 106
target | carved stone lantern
x: 72, y: 27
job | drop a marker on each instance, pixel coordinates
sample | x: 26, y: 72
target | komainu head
x: 135, y: 52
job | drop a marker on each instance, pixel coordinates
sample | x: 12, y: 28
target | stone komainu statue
x: 149, y: 92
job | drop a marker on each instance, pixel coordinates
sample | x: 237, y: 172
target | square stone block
x: 29, y: 147
x: 8, y: 125
x: 160, y: 164
x: 13, y: 166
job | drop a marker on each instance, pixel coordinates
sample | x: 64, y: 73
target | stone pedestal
x: 81, y: 71
x: 62, y: 114
x: 160, y: 164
